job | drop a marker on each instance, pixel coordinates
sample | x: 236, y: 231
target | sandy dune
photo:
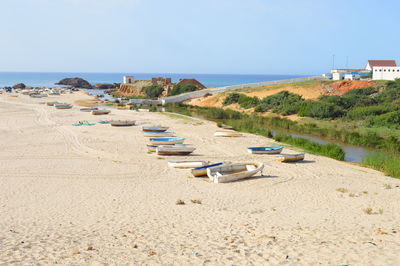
x: 94, y: 196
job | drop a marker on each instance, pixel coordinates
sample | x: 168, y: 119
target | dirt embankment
x: 309, y: 90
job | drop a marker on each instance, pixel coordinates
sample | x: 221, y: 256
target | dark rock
x: 105, y: 86
x: 75, y: 82
x: 19, y: 86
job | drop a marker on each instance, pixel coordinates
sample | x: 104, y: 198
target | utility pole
x: 333, y: 61
x: 347, y: 62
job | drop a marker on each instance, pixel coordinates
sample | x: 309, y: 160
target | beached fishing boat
x: 101, y: 112
x: 233, y: 172
x: 265, y: 150
x: 202, y: 171
x: 227, y: 134
x: 88, y: 109
x: 290, y: 157
x: 152, y: 148
x: 63, y: 106
x: 83, y: 123
x: 166, y: 141
x: 51, y: 103
x: 155, y: 129
x: 122, y: 123
x: 104, y: 122
x: 158, y: 134
x: 186, y: 164
x: 174, y: 150
x: 38, y: 95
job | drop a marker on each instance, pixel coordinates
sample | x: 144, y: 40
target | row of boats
x: 165, y: 143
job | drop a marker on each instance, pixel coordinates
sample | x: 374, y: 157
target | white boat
x: 155, y: 128
x: 166, y: 141
x: 290, y: 157
x: 122, y: 123
x: 63, y: 106
x: 174, y: 150
x: 37, y: 95
x: 227, y: 134
x: 51, y: 103
x: 101, y: 112
x: 265, y: 150
x: 186, y: 164
x: 159, y: 134
x: 152, y: 148
x: 233, y: 172
x: 202, y: 170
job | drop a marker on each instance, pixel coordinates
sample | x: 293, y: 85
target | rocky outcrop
x: 75, y: 82
x: 106, y: 86
x: 19, y: 86
x: 194, y: 82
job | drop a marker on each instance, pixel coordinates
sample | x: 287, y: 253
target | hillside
x: 309, y: 90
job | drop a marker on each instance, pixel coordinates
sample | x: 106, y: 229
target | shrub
x: 231, y: 98
x: 365, y: 111
x: 179, y: 89
x: 153, y: 91
x: 391, y: 120
x: 320, y: 109
x: 284, y: 103
x: 385, y: 162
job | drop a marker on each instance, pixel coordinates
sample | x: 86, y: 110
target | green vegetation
x: 386, y: 162
x: 328, y: 150
x: 179, y: 89
x: 153, y: 91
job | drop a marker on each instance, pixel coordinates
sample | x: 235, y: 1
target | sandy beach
x: 94, y: 196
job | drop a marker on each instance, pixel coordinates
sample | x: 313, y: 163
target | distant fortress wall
x: 200, y: 93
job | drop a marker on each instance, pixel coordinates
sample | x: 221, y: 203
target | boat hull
x: 291, y: 158
x: 167, y: 141
x: 174, y: 150
x: 233, y: 172
x: 155, y: 129
x: 230, y: 134
x: 265, y: 150
x: 101, y: 112
x: 159, y: 134
x: 186, y: 164
x: 202, y: 171
x: 122, y: 123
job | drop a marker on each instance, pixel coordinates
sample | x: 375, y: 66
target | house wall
x: 128, y: 79
x: 385, y: 73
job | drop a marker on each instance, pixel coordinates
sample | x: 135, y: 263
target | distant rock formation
x: 75, y: 82
x: 19, y: 86
x: 106, y: 86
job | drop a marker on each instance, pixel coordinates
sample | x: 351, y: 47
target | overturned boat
x: 63, y: 106
x: 290, y: 157
x: 122, y: 123
x: 101, y: 112
x: 156, y: 128
x: 174, y: 150
x: 233, y: 172
x: 89, y: 109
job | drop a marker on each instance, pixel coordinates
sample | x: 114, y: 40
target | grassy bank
x: 258, y: 125
x: 385, y: 162
x: 328, y: 150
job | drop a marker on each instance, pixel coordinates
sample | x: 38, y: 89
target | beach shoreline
x: 93, y: 195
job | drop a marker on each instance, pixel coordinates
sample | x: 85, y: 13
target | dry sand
x: 93, y: 196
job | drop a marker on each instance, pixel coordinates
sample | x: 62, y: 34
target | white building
x: 128, y: 79
x: 380, y: 63
x: 385, y: 73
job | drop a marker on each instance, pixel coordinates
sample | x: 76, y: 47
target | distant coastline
x: 47, y: 79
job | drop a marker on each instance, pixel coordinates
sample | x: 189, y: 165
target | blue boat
x: 166, y: 141
x: 265, y: 150
x: 202, y: 171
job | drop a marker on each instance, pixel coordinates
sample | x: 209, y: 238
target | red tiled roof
x: 382, y: 63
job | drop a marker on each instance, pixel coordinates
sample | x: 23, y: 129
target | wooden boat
x: 89, y: 109
x: 51, y: 103
x: 233, y: 172
x: 186, y: 164
x: 122, y: 123
x: 227, y: 134
x: 290, y: 157
x: 63, y: 106
x: 155, y: 129
x: 152, y: 148
x: 202, y: 171
x: 101, y: 112
x: 174, y: 150
x: 158, y: 134
x: 265, y: 150
x: 166, y: 141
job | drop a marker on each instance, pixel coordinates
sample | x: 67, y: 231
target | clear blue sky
x: 196, y: 36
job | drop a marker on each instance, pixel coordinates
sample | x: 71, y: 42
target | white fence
x: 200, y: 93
